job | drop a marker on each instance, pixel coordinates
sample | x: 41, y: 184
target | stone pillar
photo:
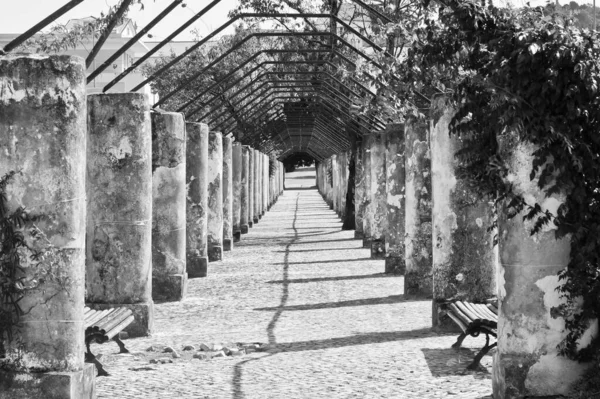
x: 378, y: 196
x: 215, y: 197
x: 367, y: 206
x: 43, y: 137
x: 119, y: 192
x: 237, y: 191
x: 282, y: 181
x: 330, y: 182
x: 335, y: 183
x: 526, y: 362
x: 418, y: 278
x: 265, y: 188
x: 245, y: 197
x: 227, y: 194
x: 197, y: 201
x: 251, y: 178
x: 464, y: 259
x: 169, y: 276
x: 395, y: 176
x: 344, y: 185
x: 256, y: 186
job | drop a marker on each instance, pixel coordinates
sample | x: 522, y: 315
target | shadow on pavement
x: 450, y: 361
x: 322, y: 279
x: 340, y: 304
x: 327, y: 261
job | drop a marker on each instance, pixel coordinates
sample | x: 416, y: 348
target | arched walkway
x: 336, y: 326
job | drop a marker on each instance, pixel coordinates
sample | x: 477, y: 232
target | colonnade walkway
x: 335, y: 325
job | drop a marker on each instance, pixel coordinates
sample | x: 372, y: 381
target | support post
x: 395, y: 194
x: 464, y: 257
x: 215, y: 197
x: 169, y: 275
x: 251, y: 178
x: 359, y: 191
x: 367, y: 206
x: 227, y: 194
x: 418, y: 278
x: 119, y: 192
x: 43, y: 110
x: 245, y: 197
x: 237, y: 191
x: 256, y: 186
x: 197, y: 203
x: 265, y: 188
x: 378, y: 196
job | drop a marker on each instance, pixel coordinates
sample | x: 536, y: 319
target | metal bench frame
x: 102, y: 326
x: 474, y: 319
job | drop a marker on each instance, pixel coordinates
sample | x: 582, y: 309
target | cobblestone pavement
x: 336, y: 326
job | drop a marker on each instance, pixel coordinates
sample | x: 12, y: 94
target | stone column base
x: 377, y: 249
x: 237, y: 236
x: 441, y: 322
x: 366, y: 242
x: 358, y: 235
x: 215, y: 253
x: 142, y: 326
x: 395, y: 265
x: 250, y: 224
x: 169, y: 288
x: 227, y: 244
x: 255, y: 220
x: 245, y: 229
x: 52, y: 385
x: 197, y: 267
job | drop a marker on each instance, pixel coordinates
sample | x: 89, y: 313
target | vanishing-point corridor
x: 336, y: 325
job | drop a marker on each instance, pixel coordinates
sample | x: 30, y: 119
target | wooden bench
x: 104, y: 325
x: 474, y: 319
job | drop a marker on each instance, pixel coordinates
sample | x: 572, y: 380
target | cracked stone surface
x: 336, y: 327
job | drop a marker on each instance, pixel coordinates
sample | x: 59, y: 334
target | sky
x: 16, y: 16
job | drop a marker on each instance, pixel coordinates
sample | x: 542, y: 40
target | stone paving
x: 336, y: 326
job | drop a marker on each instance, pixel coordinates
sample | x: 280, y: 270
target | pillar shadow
x: 325, y: 279
x: 328, y: 261
x: 342, y: 304
x: 449, y: 361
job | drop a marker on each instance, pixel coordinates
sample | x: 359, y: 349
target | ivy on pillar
x: 367, y: 204
x: 245, y: 195
x: 215, y: 197
x: 359, y: 190
x: 197, y: 199
x: 378, y: 216
x: 464, y: 258
x: 119, y: 191
x: 251, y: 179
x: 227, y: 194
x: 169, y: 276
x: 237, y: 191
x: 418, y: 278
x: 43, y: 109
x: 395, y: 199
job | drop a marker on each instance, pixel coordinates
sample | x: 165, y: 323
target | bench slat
x: 488, y: 312
x: 99, y: 315
x: 107, y: 319
x: 466, y: 311
x: 473, y: 310
x: 457, y: 321
x: 120, y: 327
x: 114, y: 321
x: 492, y: 309
x: 458, y: 313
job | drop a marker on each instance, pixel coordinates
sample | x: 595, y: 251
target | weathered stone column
x: 378, y: 196
x: 256, y: 186
x: 526, y: 363
x: 237, y: 191
x: 251, y: 178
x: 215, y: 197
x: 359, y: 191
x: 169, y: 276
x: 43, y: 136
x: 335, y: 178
x: 464, y: 259
x: 395, y: 176
x: 197, y: 203
x: 282, y: 181
x: 245, y: 197
x: 367, y: 205
x: 265, y: 188
x: 418, y: 278
x: 119, y: 192
x: 227, y: 194
x: 330, y: 182
x: 261, y: 173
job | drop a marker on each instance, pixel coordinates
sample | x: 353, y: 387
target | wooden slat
x: 120, y: 327
x: 457, y: 312
x: 107, y: 319
x: 457, y: 321
x: 98, y: 316
x: 470, y: 307
x: 116, y: 320
x: 492, y: 308
x: 475, y: 310
x: 466, y: 311
x: 489, y: 313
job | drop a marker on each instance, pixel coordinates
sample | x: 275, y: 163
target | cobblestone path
x: 336, y: 326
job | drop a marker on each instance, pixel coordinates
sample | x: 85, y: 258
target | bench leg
x: 475, y: 364
x: 459, y: 341
x: 122, y: 348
